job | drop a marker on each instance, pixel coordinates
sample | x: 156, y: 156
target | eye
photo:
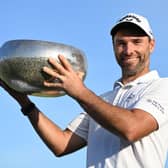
x: 120, y: 43
x: 137, y: 41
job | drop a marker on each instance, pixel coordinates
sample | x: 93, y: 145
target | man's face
x: 132, y: 51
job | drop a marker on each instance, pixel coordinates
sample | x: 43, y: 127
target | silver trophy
x: 21, y: 63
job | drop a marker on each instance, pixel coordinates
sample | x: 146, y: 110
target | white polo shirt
x: 106, y: 150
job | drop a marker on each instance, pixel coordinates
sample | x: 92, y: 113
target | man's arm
x: 131, y: 124
x: 59, y: 141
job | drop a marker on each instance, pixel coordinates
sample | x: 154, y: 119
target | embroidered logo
x: 130, y: 97
x: 157, y: 105
x: 130, y: 18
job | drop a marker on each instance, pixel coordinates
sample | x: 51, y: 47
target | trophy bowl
x: 21, y: 63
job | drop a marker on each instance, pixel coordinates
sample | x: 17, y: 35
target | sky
x: 85, y: 25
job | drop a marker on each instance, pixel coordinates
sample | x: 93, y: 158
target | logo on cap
x: 130, y: 18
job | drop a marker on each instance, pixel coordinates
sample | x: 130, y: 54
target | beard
x: 133, y: 71
x: 132, y: 68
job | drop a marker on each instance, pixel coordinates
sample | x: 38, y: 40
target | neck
x: 129, y: 78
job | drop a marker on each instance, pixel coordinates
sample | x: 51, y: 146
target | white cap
x: 138, y: 20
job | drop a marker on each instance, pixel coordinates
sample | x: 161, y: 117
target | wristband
x: 28, y: 109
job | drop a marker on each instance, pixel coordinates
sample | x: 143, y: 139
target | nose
x: 128, y: 49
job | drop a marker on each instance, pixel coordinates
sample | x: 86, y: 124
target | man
x: 123, y: 128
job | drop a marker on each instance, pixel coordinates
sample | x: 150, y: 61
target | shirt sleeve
x: 80, y: 125
x: 155, y: 101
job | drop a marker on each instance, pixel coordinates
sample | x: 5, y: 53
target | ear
x: 152, y: 45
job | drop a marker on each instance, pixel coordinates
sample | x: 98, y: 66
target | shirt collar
x: 152, y: 75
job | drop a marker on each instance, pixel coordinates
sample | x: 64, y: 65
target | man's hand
x: 69, y: 80
x: 21, y: 98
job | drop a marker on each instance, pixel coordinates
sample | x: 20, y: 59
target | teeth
x: 130, y: 59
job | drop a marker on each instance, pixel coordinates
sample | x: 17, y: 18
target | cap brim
x: 123, y: 25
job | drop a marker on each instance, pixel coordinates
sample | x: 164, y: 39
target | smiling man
x: 123, y: 128
x: 133, y: 43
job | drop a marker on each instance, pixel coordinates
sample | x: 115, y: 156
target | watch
x: 28, y: 109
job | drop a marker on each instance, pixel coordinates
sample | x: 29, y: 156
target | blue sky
x: 83, y: 24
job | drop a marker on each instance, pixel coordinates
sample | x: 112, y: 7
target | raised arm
x: 59, y: 141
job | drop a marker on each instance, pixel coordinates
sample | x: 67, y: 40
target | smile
x: 129, y: 59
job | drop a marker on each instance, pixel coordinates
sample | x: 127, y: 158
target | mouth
x: 129, y: 60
